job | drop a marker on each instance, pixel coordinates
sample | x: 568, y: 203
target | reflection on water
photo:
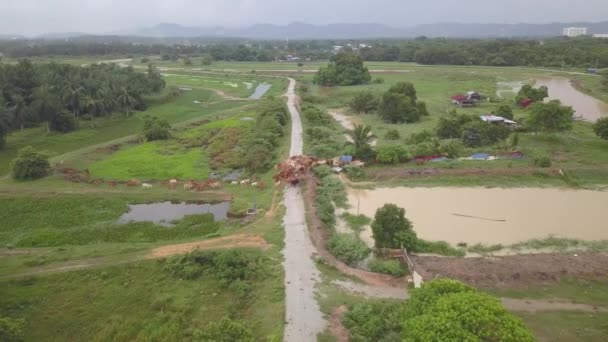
x: 166, y: 212
x: 260, y: 90
x: 587, y: 107
x: 491, y: 216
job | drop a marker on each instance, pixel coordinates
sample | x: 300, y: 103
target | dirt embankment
x: 516, y: 271
x: 320, y: 236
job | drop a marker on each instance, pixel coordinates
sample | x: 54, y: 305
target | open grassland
x: 154, y: 160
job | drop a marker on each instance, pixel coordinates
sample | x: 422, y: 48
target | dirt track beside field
x: 516, y: 271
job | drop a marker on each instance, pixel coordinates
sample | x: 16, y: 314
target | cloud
x: 102, y: 16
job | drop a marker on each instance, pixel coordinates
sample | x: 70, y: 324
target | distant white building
x: 601, y: 35
x: 574, y: 31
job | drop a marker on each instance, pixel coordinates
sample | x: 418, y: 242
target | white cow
x: 146, y: 186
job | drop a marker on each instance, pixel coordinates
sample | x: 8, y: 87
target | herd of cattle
x: 76, y: 176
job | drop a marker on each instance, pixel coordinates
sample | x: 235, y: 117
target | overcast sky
x: 102, y: 16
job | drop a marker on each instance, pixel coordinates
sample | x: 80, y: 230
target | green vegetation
x: 469, y: 314
x: 372, y: 322
x: 441, y: 310
x: 154, y: 161
x: 527, y: 92
x: 38, y: 222
x: 364, y: 102
x: 391, y: 267
x: 344, y: 69
x: 156, y: 129
x: 601, y: 128
x: 550, y: 117
x: 399, y: 104
x: 348, y: 248
x: 391, y: 229
x: 146, y: 301
x: 30, y: 164
x: 356, y: 222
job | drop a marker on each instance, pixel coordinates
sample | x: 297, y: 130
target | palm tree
x: 46, y: 104
x: 20, y: 111
x: 73, y: 96
x: 93, y: 105
x: 126, y: 99
x: 361, y: 136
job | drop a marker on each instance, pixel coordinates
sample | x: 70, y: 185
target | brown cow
x: 113, y: 183
x: 133, y: 182
x: 189, y: 185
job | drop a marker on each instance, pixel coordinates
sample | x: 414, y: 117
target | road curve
x: 303, y: 316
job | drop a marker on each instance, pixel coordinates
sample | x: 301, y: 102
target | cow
x: 245, y: 182
x: 254, y: 184
x: 146, y: 186
x: 133, y: 182
x: 112, y: 183
x: 189, y: 185
x: 173, y: 183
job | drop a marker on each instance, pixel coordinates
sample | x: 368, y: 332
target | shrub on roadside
x: 391, y: 267
x: 30, y: 164
x: 348, y: 248
x: 375, y: 321
x: 354, y: 173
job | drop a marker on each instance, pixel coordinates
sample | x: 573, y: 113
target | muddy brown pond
x: 164, y: 213
x: 492, y: 216
x: 587, y: 107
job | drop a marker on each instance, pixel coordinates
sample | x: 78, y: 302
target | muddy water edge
x: 493, y: 216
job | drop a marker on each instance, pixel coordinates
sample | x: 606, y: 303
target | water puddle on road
x: 260, y: 91
x: 493, y: 216
x: 164, y: 213
x: 587, y: 107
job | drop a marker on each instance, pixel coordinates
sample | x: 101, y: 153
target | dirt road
x: 303, y: 315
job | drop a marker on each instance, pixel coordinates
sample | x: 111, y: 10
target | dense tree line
x: 551, y: 52
x: 59, y: 94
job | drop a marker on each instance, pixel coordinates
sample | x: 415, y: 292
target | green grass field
x: 154, y: 161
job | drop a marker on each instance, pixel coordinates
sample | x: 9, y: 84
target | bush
x: 378, y: 80
x: 156, y: 129
x: 469, y: 314
x: 392, y: 134
x: 505, y: 111
x: 601, y: 128
x: 542, y: 161
x: 30, y: 164
x: 550, y: 117
x: 63, y: 122
x: 391, y: 267
x: 420, y: 137
x: 347, y: 248
x: 364, y: 102
x: 391, y: 229
x: 354, y: 173
x: 478, y: 133
x: 226, y: 330
x: 144, y: 60
x: 392, y: 154
x: 377, y: 321
x: 450, y: 126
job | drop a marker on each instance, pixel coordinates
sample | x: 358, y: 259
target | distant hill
x: 345, y: 31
